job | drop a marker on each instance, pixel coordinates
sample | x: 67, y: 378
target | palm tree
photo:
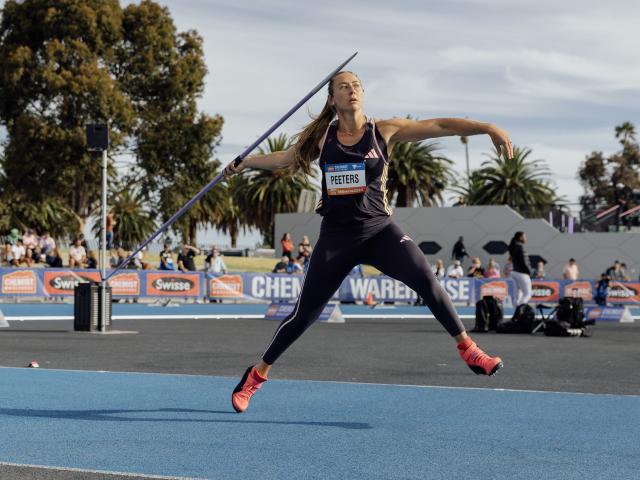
x: 134, y: 221
x: 627, y: 131
x: 263, y: 193
x: 418, y: 174
x: 520, y: 183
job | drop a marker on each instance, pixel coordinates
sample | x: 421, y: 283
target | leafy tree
x: 518, y: 182
x: 418, y: 174
x: 609, y: 181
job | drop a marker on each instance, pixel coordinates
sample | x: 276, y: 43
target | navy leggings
x: 390, y: 251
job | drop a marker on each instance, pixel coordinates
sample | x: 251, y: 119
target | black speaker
x: 87, y: 311
x: 97, y: 137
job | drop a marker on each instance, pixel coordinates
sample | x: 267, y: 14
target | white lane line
x: 99, y: 472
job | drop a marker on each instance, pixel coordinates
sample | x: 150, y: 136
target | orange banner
x: 63, y: 282
x: 20, y: 282
x: 227, y: 286
x: 624, y: 292
x: 496, y: 288
x: 579, y: 289
x: 125, y: 284
x: 545, y: 291
x: 173, y: 284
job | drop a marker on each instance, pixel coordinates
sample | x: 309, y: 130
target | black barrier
x: 87, y: 311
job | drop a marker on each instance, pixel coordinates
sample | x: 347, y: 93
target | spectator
x: 54, y: 259
x: 492, y: 270
x: 14, y: 236
x: 19, y: 255
x: 92, y: 261
x: 281, y: 266
x: 571, y: 271
x: 30, y: 242
x: 304, y: 249
x: 439, y: 271
x: 614, y: 272
x: 166, y: 258
x: 186, y: 258
x: 46, y: 244
x: 77, y: 254
x: 214, y: 264
x: 521, y: 272
x: 6, y: 252
x: 455, y: 270
x: 113, y: 258
x: 602, y: 290
x: 83, y: 241
x: 122, y: 256
x: 287, y: 245
x: 138, y: 260
x: 625, y: 275
x: 111, y: 222
x: 539, y: 272
x: 461, y: 202
x: 475, y: 270
x: 294, y: 266
x: 508, y: 268
x: 459, y: 251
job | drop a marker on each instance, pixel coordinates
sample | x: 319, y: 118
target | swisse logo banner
x: 226, y: 286
x: 125, y: 284
x: 579, y: 289
x: 19, y: 282
x: 173, y: 284
x: 498, y: 289
x: 542, y: 291
x: 63, y: 282
x: 624, y: 292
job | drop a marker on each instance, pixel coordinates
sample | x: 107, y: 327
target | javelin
x: 237, y: 161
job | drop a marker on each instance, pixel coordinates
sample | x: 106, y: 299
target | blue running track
x: 177, y: 425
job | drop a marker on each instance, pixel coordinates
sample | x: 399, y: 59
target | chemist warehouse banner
x: 54, y: 282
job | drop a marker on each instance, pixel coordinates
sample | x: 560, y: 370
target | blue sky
x: 557, y: 75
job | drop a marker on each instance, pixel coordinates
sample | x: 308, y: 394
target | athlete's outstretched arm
x: 406, y: 130
x: 269, y: 161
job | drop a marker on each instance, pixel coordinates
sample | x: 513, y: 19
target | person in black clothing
x: 521, y: 272
x: 186, y: 262
x: 459, y: 251
x: 353, y: 152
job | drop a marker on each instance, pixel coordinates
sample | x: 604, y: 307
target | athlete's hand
x: 231, y: 169
x: 500, y: 138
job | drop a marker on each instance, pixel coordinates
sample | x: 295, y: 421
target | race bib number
x: 345, y: 178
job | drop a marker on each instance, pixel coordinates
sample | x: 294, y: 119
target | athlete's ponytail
x: 307, y: 140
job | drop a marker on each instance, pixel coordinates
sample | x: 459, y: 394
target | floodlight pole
x: 103, y: 246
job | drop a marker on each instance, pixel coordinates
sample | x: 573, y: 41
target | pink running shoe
x: 251, y: 381
x: 478, y: 361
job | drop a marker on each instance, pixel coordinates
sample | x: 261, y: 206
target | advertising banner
x: 173, y: 284
x: 578, y: 289
x: 545, y: 291
x: 125, y: 284
x: 624, y: 292
x: 20, y: 282
x: 61, y: 282
x: 225, y: 286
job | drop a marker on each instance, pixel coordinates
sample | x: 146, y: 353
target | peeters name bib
x: 345, y: 178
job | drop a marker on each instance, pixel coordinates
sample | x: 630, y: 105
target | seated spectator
x: 138, y: 260
x: 13, y: 236
x: 19, y: 255
x: 539, y: 272
x: 113, y: 258
x: 455, y: 270
x: 92, y: 261
x: 186, y: 258
x: 294, y: 267
x: 83, y: 241
x: 602, y: 290
x: 304, y: 248
x: 508, y: 267
x: 439, y: 270
x: 281, y: 266
x: 46, y: 244
x: 287, y: 245
x: 6, y: 252
x: 77, y: 255
x: 166, y: 258
x: 30, y: 242
x: 54, y: 259
x: 624, y: 274
x: 214, y: 264
x: 570, y: 270
x: 614, y: 272
x: 475, y: 270
x: 492, y: 270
